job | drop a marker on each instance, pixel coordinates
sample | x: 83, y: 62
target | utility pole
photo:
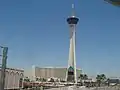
x: 3, y: 67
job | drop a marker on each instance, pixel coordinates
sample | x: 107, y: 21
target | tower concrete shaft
x: 71, y: 72
x: 72, y: 56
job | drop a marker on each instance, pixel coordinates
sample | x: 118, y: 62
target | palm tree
x: 81, y: 77
x: 98, y: 80
x: 44, y: 80
x: 108, y: 81
x: 37, y: 79
x: 85, y: 77
x: 26, y: 79
x: 51, y: 80
x: 103, y: 77
x: 41, y: 79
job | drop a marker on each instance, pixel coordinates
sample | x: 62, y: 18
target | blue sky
x: 37, y: 33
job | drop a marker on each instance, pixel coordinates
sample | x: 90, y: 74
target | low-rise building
x: 12, y: 78
x: 48, y: 72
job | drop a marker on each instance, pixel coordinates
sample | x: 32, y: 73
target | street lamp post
x: 3, y: 67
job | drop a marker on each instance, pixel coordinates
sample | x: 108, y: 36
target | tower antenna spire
x: 73, y: 10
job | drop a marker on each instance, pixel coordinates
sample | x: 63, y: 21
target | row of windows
x: 14, y: 73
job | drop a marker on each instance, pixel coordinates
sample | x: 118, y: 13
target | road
x: 101, y: 88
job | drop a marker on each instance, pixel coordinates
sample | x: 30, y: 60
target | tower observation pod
x: 71, y: 74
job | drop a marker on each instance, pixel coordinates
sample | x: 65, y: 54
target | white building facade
x: 12, y: 78
x: 48, y: 72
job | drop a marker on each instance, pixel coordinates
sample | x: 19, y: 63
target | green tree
x: 85, y: 76
x: 37, y: 79
x: 41, y: 79
x: 81, y: 77
x: 44, y: 80
x: 51, y: 80
x: 101, y: 79
x: 98, y: 80
x: 108, y: 81
x: 26, y: 79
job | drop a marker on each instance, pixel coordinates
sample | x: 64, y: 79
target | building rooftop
x: 52, y: 67
x: 16, y: 69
